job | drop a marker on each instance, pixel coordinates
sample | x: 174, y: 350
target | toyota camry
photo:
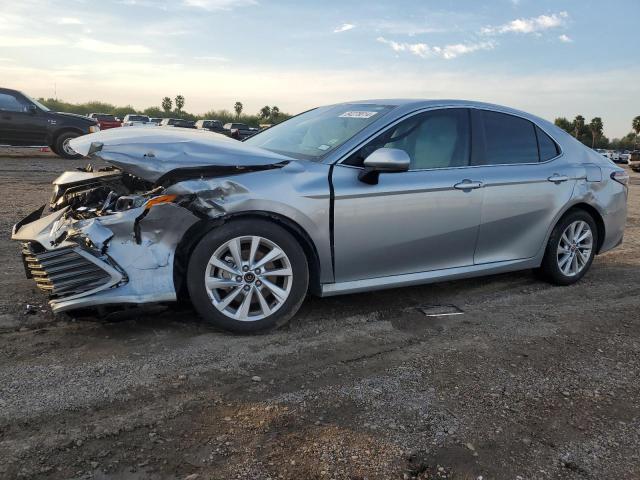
x: 344, y: 198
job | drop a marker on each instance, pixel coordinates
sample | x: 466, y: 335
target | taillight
x: 621, y: 177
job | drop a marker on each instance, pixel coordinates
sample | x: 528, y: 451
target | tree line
x: 172, y: 108
x: 591, y: 134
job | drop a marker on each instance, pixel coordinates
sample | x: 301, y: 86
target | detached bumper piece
x: 66, y: 272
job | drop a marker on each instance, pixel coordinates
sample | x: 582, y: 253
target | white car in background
x: 625, y: 157
x: 615, y: 156
x: 134, y: 120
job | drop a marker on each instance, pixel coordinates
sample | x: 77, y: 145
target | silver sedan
x: 345, y: 198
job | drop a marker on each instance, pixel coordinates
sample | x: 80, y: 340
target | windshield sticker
x: 324, y: 147
x: 361, y: 114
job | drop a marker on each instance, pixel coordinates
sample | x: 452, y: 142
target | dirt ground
x: 532, y: 381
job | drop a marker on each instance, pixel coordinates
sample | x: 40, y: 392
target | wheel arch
x: 56, y: 134
x: 198, y: 230
x: 595, y: 214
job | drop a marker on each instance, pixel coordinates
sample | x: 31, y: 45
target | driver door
x: 415, y: 221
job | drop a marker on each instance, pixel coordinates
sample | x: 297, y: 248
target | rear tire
x: 570, y: 250
x: 62, y: 147
x: 232, y: 288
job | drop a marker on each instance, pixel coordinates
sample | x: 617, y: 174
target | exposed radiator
x: 63, y: 272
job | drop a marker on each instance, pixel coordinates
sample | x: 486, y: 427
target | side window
x: 437, y: 139
x: 508, y: 139
x: 9, y: 103
x: 547, y: 147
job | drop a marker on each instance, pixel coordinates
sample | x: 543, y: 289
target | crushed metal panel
x: 150, y: 153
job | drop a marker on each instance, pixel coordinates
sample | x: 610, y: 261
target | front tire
x: 248, y: 276
x: 62, y: 147
x: 571, y: 249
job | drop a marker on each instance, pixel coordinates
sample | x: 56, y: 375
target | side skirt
x: 421, y: 278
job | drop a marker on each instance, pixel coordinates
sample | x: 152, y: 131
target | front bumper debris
x: 99, y: 261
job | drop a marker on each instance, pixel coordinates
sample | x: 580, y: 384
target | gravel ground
x: 532, y: 381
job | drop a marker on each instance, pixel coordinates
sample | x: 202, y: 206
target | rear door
x: 526, y: 182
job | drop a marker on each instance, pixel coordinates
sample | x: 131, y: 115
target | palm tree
x: 578, y: 125
x: 275, y: 111
x: 238, y: 108
x: 636, y: 128
x: 179, y: 103
x: 265, y: 112
x: 166, y: 104
x: 595, y: 127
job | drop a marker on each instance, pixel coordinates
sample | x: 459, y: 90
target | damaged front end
x: 119, y: 252
x: 112, y: 234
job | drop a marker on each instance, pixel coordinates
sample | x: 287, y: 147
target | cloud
x: 35, y: 41
x: 529, y: 25
x: 565, y: 38
x: 69, y: 21
x: 212, y: 58
x: 219, y: 4
x: 107, y: 47
x: 344, y: 27
x: 447, y: 52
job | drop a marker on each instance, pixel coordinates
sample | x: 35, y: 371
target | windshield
x: 38, y: 104
x: 315, y: 133
x: 138, y: 118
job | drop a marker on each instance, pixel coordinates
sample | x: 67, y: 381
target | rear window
x: 509, y: 139
x: 547, y: 147
x: 106, y: 118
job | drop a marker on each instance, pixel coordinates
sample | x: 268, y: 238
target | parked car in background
x: 105, y: 120
x: 157, y: 121
x: 624, y: 157
x: 177, y: 122
x: 211, y: 125
x: 239, y: 131
x: 345, y: 198
x: 634, y: 160
x: 135, y: 120
x: 615, y: 156
x: 26, y: 122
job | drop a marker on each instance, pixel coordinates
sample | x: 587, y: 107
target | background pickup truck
x: 26, y: 122
x: 105, y: 120
x: 239, y: 131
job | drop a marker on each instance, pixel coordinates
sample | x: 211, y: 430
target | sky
x: 549, y: 57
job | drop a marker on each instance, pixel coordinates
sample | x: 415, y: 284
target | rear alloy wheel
x: 63, y: 148
x: 571, y: 249
x: 247, y: 276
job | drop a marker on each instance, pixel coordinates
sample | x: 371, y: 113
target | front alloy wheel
x: 247, y: 275
x: 248, y: 278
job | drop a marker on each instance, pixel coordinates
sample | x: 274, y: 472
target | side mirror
x: 32, y: 109
x: 383, y: 160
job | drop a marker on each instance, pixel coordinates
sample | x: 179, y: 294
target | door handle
x: 467, y: 185
x: 555, y: 178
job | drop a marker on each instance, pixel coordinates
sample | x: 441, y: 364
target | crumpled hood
x: 150, y: 153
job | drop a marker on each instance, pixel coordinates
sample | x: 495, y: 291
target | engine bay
x: 90, y: 192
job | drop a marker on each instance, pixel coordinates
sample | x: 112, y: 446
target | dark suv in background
x: 211, y: 125
x: 26, y: 122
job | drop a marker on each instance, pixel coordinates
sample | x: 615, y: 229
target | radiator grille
x: 63, y: 272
